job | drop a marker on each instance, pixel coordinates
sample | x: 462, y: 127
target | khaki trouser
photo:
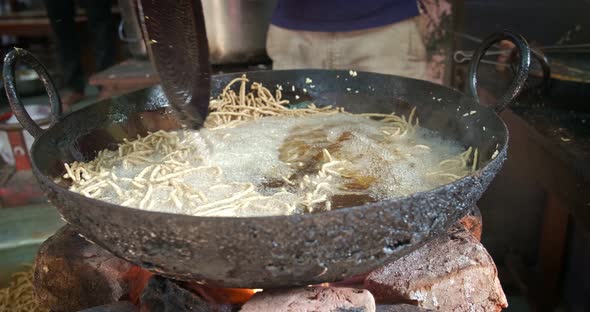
x: 396, y: 49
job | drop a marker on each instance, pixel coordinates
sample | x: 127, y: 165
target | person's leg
x: 101, y: 22
x: 396, y: 49
x: 290, y: 49
x: 61, y: 14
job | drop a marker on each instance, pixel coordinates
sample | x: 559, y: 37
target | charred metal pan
x: 273, y: 251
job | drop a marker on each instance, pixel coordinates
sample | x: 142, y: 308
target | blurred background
x: 536, y: 219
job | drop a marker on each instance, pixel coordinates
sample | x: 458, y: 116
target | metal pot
x: 236, y: 29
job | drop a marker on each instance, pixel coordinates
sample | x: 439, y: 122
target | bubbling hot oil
x: 270, y: 151
x: 274, y: 166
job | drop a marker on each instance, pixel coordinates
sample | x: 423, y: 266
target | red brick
x: 452, y: 273
x: 473, y: 223
x: 72, y: 274
x: 319, y: 299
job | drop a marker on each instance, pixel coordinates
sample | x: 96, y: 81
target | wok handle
x: 10, y: 61
x: 522, y: 70
x: 542, y: 59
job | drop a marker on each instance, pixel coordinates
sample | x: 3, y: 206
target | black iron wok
x: 281, y: 250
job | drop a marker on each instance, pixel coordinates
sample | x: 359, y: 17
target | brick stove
x: 453, y: 272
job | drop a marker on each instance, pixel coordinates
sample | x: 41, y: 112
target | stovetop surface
x: 567, y: 129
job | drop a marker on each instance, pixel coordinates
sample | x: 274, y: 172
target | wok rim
x: 49, y: 182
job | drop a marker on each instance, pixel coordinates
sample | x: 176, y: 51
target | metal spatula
x: 175, y: 35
